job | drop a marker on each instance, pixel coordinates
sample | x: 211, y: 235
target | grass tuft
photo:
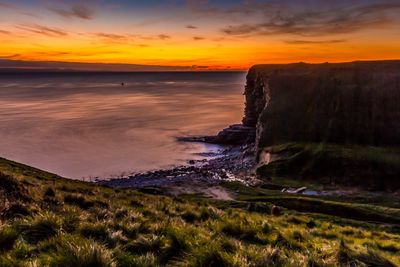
x: 241, y: 231
x: 71, y: 221
x: 145, y: 244
x: 8, y: 236
x: 39, y: 228
x: 130, y: 260
x: 371, y: 258
x: 80, y: 253
x: 269, y: 257
x: 98, y: 232
x: 78, y: 200
x: 177, y: 245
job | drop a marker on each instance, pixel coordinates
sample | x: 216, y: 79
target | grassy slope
x: 73, y: 223
x: 369, y: 167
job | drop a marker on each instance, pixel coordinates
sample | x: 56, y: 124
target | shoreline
x: 232, y: 163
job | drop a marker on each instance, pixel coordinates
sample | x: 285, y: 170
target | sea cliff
x: 346, y: 103
x: 350, y: 106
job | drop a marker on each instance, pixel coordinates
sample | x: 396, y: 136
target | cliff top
x: 302, y: 65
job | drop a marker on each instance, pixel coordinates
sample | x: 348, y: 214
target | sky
x: 194, y: 34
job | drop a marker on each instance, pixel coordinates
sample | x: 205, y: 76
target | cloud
x: 112, y: 36
x: 43, y: 30
x: 9, y: 64
x: 163, y: 36
x: 4, y: 5
x: 75, y: 11
x: 198, y: 38
x: 207, y: 8
x: 301, y: 42
x: 4, y: 32
x: 14, y: 56
x: 199, y: 67
x: 191, y: 27
x: 128, y: 39
x: 281, y: 19
x: 52, y: 54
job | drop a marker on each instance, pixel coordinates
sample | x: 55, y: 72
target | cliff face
x: 345, y: 103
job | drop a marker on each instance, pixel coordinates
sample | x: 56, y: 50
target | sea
x: 104, y: 125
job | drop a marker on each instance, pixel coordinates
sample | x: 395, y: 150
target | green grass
x: 8, y: 236
x: 39, y: 228
x: 71, y: 223
x: 261, y: 200
x: 374, y: 168
x: 77, y: 252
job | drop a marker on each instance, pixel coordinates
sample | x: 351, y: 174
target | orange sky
x: 199, y: 34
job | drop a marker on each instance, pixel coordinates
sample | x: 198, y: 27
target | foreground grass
x: 57, y: 222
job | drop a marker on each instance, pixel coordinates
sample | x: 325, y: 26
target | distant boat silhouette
x: 122, y: 84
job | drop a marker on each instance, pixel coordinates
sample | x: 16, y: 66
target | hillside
x: 47, y: 220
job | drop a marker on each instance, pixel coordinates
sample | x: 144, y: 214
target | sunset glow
x: 197, y: 35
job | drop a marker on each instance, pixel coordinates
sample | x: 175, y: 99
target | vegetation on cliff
x: 47, y: 220
x: 372, y: 168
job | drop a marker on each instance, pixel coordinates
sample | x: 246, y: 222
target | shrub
x: 8, y: 236
x: 39, y: 228
x: 80, y: 253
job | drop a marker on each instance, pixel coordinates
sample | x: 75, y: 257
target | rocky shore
x: 233, y: 163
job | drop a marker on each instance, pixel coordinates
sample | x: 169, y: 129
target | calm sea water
x: 88, y: 125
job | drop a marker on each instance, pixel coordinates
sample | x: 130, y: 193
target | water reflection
x: 80, y: 125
